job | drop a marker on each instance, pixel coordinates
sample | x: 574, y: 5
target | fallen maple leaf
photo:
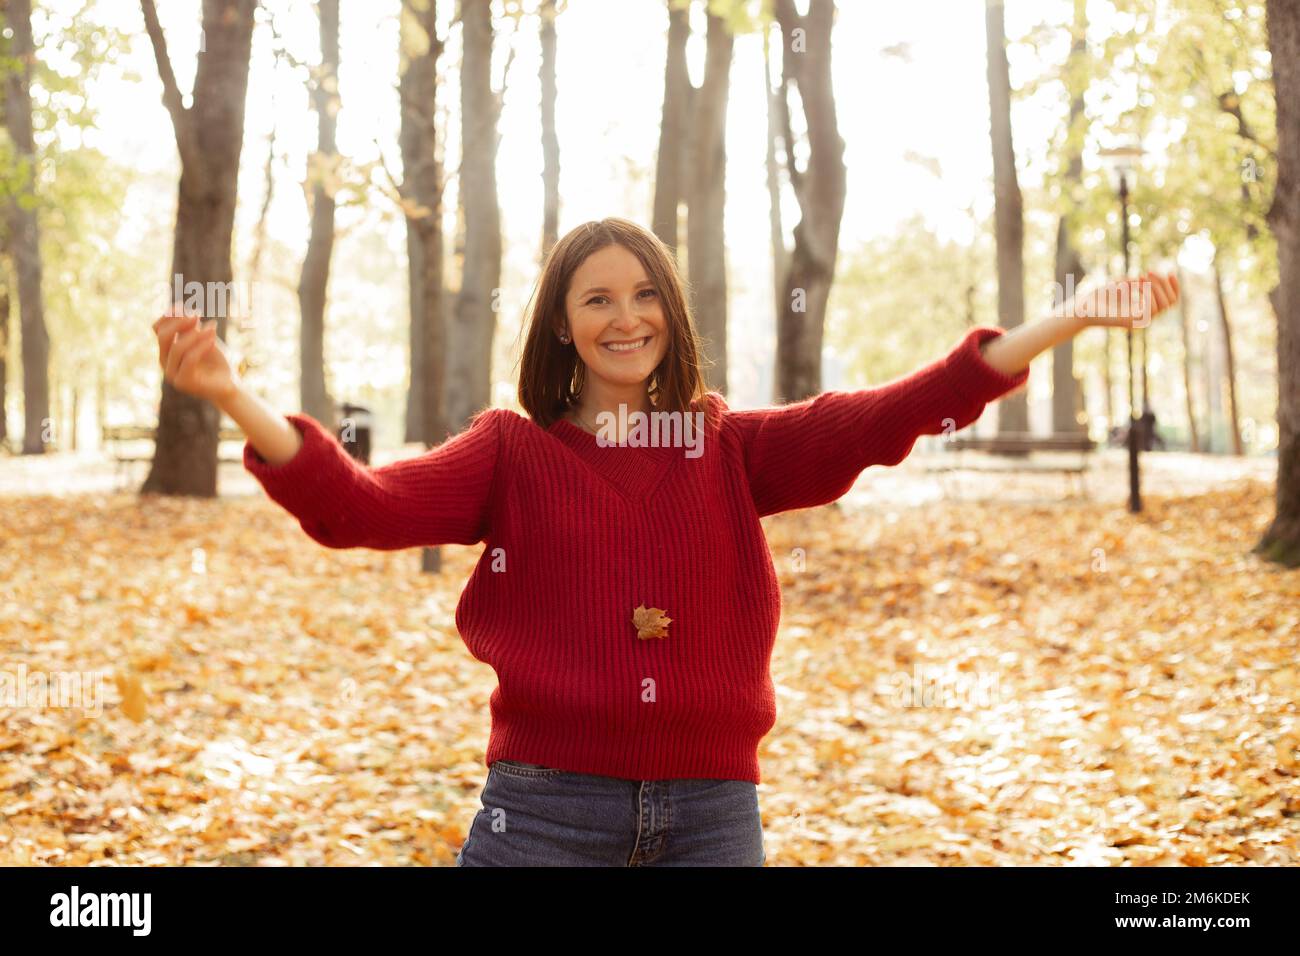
x: 650, y: 622
x: 132, y: 691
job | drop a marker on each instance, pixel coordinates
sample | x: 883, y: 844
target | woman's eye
x: 595, y: 298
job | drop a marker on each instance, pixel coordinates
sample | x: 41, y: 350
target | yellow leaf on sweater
x: 650, y: 622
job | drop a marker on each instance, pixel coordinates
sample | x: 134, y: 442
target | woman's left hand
x: 1127, y: 303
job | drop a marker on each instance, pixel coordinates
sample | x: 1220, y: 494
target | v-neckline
x: 633, y: 471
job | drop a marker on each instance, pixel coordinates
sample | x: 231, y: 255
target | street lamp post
x: 1121, y: 161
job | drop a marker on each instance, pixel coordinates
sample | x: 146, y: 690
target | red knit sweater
x: 578, y: 535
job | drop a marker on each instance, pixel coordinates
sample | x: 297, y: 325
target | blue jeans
x: 540, y: 816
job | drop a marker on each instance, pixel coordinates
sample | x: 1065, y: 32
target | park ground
x: 1002, y: 676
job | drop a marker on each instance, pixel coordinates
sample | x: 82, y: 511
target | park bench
x: 1019, y: 450
x: 133, y: 443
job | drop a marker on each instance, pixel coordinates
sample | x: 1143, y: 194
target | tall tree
x: 209, y: 137
x: 4, y: 352
x: 706, y: 195
x: 322, y: 178
x: 24, y: 230
x: 473, y: 320
x: 692, y: 168
x: 819, y: 189
x: 4, y: 292
x: 776, y: 122
x: 674, y: 129
x: 550, y: 140
x: 421, y: 194
x: 1281, y: 542
x: 1013, y: 411
x: 1230, y: 365
x: 1185, y: 321
x: 1069, y: 265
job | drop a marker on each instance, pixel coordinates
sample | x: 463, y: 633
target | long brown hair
x: 552, y: 374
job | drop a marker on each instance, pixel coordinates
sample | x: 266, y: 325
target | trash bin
x: 354, y: 431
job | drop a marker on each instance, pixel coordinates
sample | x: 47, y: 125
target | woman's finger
x: 1148, y: 300
x: 1167, y: 291
x: 1158, y: 302
x: 171, y: 350
x: 171, y: 312
x: 167, y: 332
x: 182, y: 344
x: 1135, y: 296
x: 195, y: 352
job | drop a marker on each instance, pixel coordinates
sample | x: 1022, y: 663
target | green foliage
x: 1195, y: 79
x: 898, y: 299
x: 77, y: 191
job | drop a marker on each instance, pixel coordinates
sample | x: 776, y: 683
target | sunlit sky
x: 934, y: 103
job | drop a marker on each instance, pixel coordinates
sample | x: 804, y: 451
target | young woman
x: 625, y: 596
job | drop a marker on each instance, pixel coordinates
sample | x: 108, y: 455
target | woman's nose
x: 628, y: 318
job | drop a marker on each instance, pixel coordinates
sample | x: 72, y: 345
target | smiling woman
x: 611, y: 328
x: 626, y: 597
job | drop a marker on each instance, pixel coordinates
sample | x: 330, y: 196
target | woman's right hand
x: 193, y: 359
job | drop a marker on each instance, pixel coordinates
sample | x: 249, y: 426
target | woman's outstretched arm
x: 810, y: 452
x: 443, y: 496
x: 1130, y: 302
x: 269, y: 432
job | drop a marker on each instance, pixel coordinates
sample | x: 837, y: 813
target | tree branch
x: 185, y: 136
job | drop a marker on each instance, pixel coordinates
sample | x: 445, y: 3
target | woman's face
x: 612, y: 302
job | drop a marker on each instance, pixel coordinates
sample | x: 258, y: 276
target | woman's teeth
x: 628, y: 347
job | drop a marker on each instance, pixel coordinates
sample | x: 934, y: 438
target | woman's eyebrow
x: 601, y: 288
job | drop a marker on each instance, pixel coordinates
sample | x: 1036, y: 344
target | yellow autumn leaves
x: 133, y: 698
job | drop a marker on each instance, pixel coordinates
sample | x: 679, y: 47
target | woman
x: 626, y: 596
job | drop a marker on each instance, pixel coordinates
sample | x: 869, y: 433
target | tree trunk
x: 1065, y: 387
x: 421, y: 193
x: 1186, y: 320
x: 422, y: 188
x: 776, y: 123
x: 674, y: 130
x: 259, y: 230
x: 209, y: 137
x: 1281, y: 542
x: 706, y: 174
x: 470, y: 333
x: 1212, y: 373
x: 550, y: 139
x: 1231, y: 368
x: 1013, y: 411
x: 820, y: 191
x: 4, y: 354
x: 1108, y: 380
x: 24, y: 232
x: 101, y: 404
x: 1070, y: 272
x: 321, y: 175
x: 1141, y: 338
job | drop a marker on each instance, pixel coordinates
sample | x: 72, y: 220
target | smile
x: 626, y: 346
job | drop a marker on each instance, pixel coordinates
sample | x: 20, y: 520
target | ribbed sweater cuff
x: 970, y: 376
x: 299, y: 483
